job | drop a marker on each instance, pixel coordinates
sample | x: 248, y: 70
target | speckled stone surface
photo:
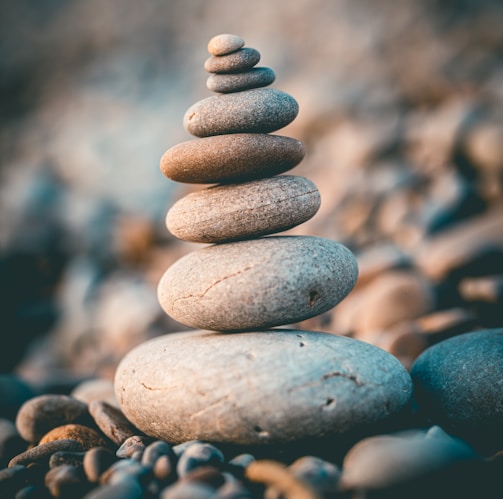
x: 224, y: 158
x: 227, y: 83
x: 459, y: 386
x: 225, y: 44
x: 236, y: 211
x: 240, y: 60
x: 262, y: 387
x: 257, y: 283
x: 261, y: 110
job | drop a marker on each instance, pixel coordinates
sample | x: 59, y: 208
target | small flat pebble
x: 274, y: 281
x: 261, y: 387
x: 41, y: 414
x: 459, y: 386
x: 235, y: 82
x: 225, y: 44
x: 224, y: 158
x: 237, y: 61
x: 237, y: 211
x: 260, y: 110
x: 41, y: 454
x: 111, y: 421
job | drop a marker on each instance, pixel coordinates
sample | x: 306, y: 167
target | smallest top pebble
x: 225, y: 44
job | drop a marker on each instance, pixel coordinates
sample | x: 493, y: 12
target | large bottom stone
x: 268, y: 387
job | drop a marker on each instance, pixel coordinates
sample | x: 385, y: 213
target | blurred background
x: 400, y: 112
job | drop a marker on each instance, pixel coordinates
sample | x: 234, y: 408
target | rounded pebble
x: 132, y: 445
x: 414, y: 457
x: 225, y: 44
x: 259, y: 388
x: 237, y: 211
x: 261, y: 110
x: 66, y: 481
x: 257, y: 283
x: 236, y: 157
x: 237, y: 61
x: 458, y: 386
x: 86, y: 436
x: 96, y: 461
x: 235, y: 82
x: 199, y: 454
x: 41, y: 414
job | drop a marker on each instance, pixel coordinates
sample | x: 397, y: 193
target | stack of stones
x: 235, y: 379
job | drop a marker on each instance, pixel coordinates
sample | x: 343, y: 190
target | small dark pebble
x: 125, y: 488
x: 64, y: 457
x: 155, y: 450
x: 66, y: 481
x: 42, y: 453
x: 126, y: 467
x: 96, y: 461
x: 198, y: 454
x: 135, y: 443
x: 208, y: 475
x: 33, y: 492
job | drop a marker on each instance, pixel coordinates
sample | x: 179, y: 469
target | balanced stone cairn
x: 235, y: 379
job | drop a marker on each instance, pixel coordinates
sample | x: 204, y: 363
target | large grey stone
x: 257, y: 283
x: 262, y: 387
x: 459, y: 386
x: 261, y: 110
x: 235, y: 82
x: 234, y: 157
x: 239, y: 211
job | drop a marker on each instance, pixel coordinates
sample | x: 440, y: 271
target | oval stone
x: 257, y: 283
x: 237, y: 211
x: 235, y: 157
x: 262, y: 387
x: 225, y: 44
x: 260, y: 110
x: 227, y: 83
x: 240, y: 60
x: 459, y: 386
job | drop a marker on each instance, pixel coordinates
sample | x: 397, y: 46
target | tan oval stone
x: 257, y: 283
x: 235, y: 82
x: 260, y: 387
x: 85, y: 436
x: 223, y: 158
x: 237, y: 211
x: 261, y: 110
x: 225, y: 44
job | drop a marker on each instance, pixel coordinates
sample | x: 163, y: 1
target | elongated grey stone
x: 237, y: 211
x: 224, y: 158
x: 238, y: 61
x: 261, y: 387
x: 260, y: 110
x: 227, y: 83
x: 257, y: 283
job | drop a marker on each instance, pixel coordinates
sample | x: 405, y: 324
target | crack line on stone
x: 213, y: 284
x: 350, y: 377
x: 209, y: 407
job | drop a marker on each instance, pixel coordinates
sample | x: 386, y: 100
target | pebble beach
x: 301, y: 298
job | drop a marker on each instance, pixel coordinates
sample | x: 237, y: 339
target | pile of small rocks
x: 447, y: 440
